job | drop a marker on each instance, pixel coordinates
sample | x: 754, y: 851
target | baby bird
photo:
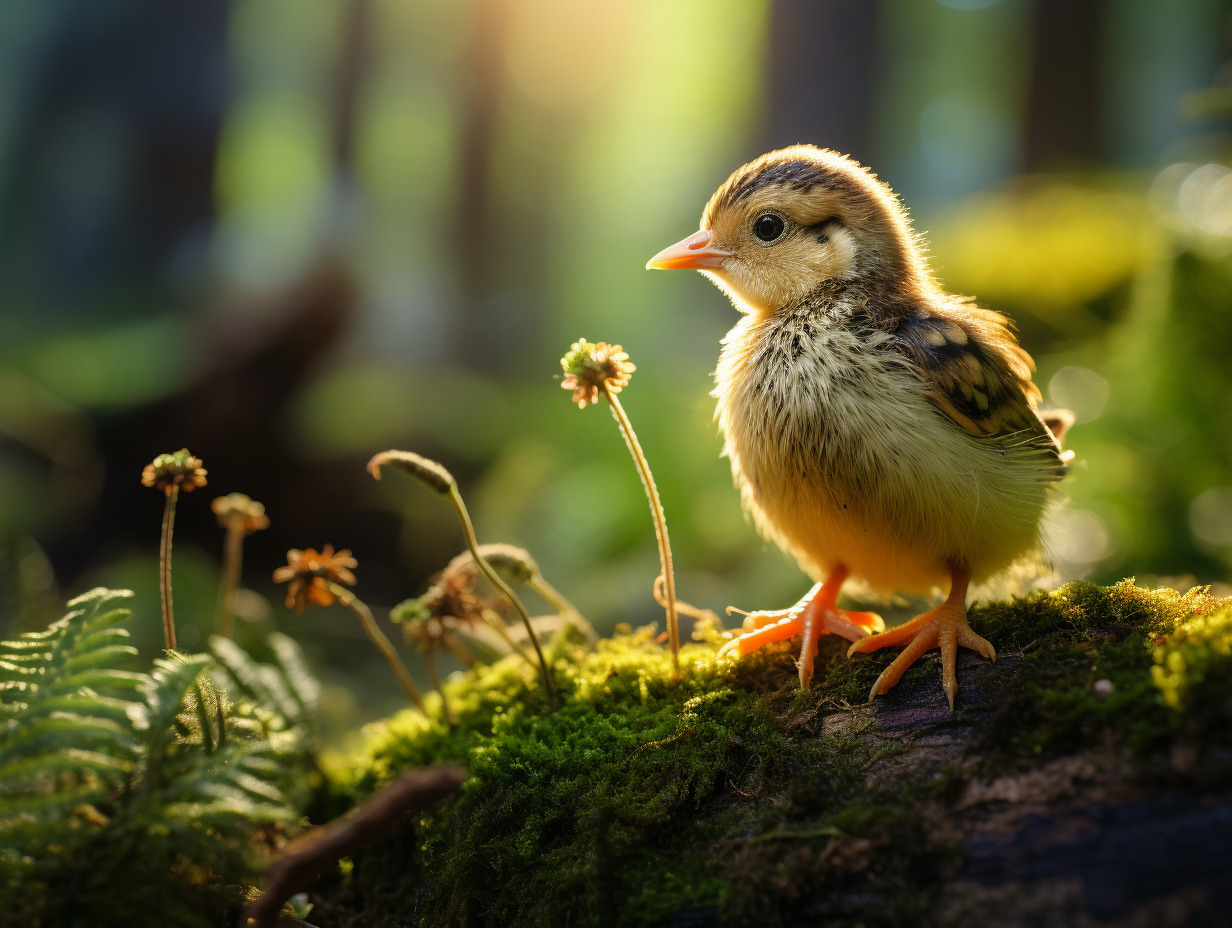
x: 879, y: 428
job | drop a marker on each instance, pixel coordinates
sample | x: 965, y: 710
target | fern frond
x: 300, y: 681
x: 125, y: 793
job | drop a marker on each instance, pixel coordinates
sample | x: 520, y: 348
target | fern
x: 133, y: 798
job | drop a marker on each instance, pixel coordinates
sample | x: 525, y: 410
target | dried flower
x: 589, y: 366
x: 240, y: 511
x: 517, y: 565
x: 240, y: 516
x: 430, y: 472
x: 310, y: 574
x: 452, y: 598
x: 591, y: 369
x: 437, y: 477
x: 173, y: 472
x: 315, y: 578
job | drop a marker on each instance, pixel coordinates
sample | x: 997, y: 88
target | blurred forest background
x: 290, y: 233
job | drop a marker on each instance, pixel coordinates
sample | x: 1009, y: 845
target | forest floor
x: 1084, y: 779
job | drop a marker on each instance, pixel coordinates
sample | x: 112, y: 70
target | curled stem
x: 656, y: 514
x: 468, y: 532
x: 233, y: 558
x: 356, y: 605
x: 164, y: 567
x: 562, y: 606
x: 552, y: 595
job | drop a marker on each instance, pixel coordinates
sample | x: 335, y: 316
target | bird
x: 880, y: 429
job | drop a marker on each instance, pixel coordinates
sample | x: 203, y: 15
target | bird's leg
x: 944, y: 627
x: 813, y: 616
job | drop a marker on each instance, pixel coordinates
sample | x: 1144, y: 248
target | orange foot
x: 813, y: 616
x: 944, y: 627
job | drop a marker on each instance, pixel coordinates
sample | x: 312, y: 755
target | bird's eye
x: 768, y: 227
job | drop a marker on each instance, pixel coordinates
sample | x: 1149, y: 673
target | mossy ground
x: 729, y: 791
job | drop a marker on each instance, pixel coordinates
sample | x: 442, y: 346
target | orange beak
x: 692, y: 253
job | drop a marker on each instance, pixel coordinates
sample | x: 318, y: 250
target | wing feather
x: 978, y: 375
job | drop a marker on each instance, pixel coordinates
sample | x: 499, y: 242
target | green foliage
x: 642, y: 797
x: 135, y: 798
x: 1195, y: 660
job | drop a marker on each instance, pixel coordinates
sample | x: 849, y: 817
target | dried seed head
x: 421, y: 625
x: 179, y: 470
x: 430, y: 472
x: 236, y: 509
x: 510, y: 561
x: 309, y: 573
x: 589, y: 366
x: 451, y: 602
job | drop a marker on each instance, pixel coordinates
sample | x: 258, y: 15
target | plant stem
x: 460, y: 651
x: 468, y: 532
x: 497, y: 624
x: 560, y: 604
x: 656, y: 515
x: 232, y: 558
x: 430, y: 663
x: 164, y: 568
x: 356, y: 605
x: 552, y: 595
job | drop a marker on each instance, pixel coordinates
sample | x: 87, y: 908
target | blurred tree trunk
x: 822, y: 64
x: 474, y: 217
x: 1064, y: 118
x: 113, y: 164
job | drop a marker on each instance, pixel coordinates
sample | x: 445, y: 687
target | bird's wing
x: 977, y: 374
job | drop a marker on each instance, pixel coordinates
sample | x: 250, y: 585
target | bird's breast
x: 802, y: 401
x: 841, y: 458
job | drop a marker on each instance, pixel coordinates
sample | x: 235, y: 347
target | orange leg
x: 944, y: 627
x: 813, y: 616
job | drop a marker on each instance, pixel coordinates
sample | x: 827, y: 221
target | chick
x: 879, y: 428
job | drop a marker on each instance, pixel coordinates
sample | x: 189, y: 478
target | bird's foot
x: 944, y: 627
x: 812, y: 617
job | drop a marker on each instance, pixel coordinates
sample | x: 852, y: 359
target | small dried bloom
x: 310, y: 574
x: 237, y: 509
x: 451, y: 602
x: 510, y: 561
x: 430, y: 472
x: 426, y: 632
x: 589, y: 366
x: 179, y: 470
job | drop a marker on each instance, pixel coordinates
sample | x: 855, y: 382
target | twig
x: 303, y: 860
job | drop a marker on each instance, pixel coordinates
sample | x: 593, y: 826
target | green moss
x: 1085, y: 667
x: 643, y: 796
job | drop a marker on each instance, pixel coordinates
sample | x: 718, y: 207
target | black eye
x: 768, y: 227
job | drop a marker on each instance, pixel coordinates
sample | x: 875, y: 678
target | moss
x: 643, y: 796
x: 1085, y: 668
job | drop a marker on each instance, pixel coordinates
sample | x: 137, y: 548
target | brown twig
x: 303, y: 860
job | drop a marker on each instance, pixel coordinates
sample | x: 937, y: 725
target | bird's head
x: 785, y: 225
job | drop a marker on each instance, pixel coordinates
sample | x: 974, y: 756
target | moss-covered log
x: 1084, y: 779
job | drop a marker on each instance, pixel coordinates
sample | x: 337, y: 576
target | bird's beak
x: 692, y: 253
